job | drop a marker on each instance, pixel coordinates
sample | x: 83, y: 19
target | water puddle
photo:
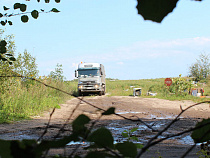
x: 131, y: 112
x: 143, y: 133
x: 161, y: 117
x: 186, y: 140
x: 17, y: 136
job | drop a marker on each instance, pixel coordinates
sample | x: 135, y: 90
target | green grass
x: 21, y: 100
x: 125, y: 88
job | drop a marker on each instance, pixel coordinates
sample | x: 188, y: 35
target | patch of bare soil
x: 155, y: 112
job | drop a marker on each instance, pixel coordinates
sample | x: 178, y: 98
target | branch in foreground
x: 166, y: 128
x: 81, y: 99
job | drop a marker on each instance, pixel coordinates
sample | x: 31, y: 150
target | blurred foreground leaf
x: 109, y: 111
x: 155, y: 10
x: 127, y: 149
x: 202, y: 134
x: 102, y: 137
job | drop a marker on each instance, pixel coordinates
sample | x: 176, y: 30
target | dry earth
x: 153, y: 111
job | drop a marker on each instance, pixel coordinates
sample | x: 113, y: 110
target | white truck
x: 91, y: 78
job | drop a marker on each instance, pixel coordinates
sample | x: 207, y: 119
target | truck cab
x: 91, y: 78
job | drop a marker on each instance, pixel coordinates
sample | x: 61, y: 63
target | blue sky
x: 112, y: 33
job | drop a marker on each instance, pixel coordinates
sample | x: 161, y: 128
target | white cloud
x: 148, y: 49
x: 171, y: 52
x: 120, y: 63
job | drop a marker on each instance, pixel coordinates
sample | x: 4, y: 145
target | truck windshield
x: 86, y: 72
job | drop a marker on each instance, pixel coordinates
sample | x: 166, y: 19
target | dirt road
x: 153, y: 111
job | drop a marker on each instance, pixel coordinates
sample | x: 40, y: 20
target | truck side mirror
x: 76, y: 73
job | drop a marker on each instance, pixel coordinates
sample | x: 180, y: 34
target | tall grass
x: 23, y: 99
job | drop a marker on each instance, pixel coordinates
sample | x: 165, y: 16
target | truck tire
x: 100, y: 93
x: 104, y: 91
x: 80, y: 93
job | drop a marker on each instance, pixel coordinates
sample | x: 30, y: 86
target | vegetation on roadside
x: 179, y: 90
x: 23, y: 97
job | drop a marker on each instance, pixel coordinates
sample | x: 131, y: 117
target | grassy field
x: 125, y: 88
x: 21, y: 100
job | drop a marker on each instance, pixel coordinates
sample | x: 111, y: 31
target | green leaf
x: 35, y: 14
x: 55, y: 10
x: 125, y: 134
x: 5, y: 148
x: 102, y: 137
x: 94, y: 154
x: 202, y: 134
x: 10, y: 22
x: 134, y: 129
x: 24, y: 148
x: 109, y: 111
x: 134, y: 138
x: 57, y: 1
x: 24, y: 18
x: 5, y: 8
x: 47, y: 1
x: 3, y: 43
x: 3, y: 50
x: 9, y: 55
x: 139, y: 146
x: 1, y: 15
x: 3, y: 23
x: 23, y: 7
x: 16, y: 5
x: 3, y: 59
x: 127, y: 149
x: 155, y: 10
x: 12, y: 59
x: 79, y: 122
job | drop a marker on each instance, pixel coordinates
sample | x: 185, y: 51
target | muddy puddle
x: 143, y: 133
x: 18, y: 136
x: 117, y: 127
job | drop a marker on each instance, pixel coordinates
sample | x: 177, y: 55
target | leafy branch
x: 23, y: 13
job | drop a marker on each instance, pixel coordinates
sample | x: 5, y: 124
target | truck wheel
x: 100, y: 93
x: 80, y: 93
x: 103, y: 92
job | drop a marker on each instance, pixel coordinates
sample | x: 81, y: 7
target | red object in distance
x: 168, y: 81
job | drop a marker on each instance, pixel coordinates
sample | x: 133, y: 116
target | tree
x: 58, y: 73
x: 201, y: 69
x: 25, y: 65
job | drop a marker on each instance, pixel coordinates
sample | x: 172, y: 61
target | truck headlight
x: 80, y: 87
x: 96, y: 86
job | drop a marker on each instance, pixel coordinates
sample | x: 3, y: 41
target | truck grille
x: 88, y: 82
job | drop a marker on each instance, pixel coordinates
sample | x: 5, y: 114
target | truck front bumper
x: 89, y: 88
